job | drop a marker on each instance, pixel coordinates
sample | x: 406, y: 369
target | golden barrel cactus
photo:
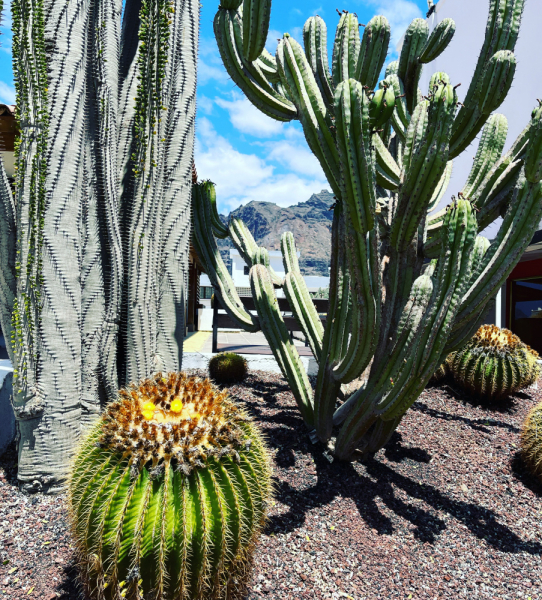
x: 168, y: 494
x: 494, y: 364
x: 531, y: 441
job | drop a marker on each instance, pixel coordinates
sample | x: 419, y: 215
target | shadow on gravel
x: 70, y: 587
x: 375, y: 482
x: 478, y: 424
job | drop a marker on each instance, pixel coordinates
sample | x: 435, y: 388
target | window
x: 206, y: 292
x: 246, y: 270
x: 526, y: 311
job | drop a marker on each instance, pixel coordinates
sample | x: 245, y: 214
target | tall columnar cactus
x: 407, y: 285
x: 494, y: 364
x: 94, y: 236
x: 168, y: 494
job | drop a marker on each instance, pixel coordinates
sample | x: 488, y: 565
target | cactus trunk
x: 101, y: 209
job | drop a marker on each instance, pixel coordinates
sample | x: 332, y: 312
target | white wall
x: 238, y: 266
x: 459, y: 61
x: 275, y: 258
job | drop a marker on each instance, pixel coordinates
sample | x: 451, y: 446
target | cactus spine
x: 168, y: 493
x: 392, y: 314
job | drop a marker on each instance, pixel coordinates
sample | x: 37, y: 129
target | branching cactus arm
x: 299, y: 298
x: 502, y: 31
x: 284, y: 351
x: 215, y: 268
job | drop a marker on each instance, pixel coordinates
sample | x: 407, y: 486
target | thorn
x: 338, y: 12
x: 456, y: 86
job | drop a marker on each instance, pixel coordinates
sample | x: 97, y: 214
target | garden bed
x: 446, y: 510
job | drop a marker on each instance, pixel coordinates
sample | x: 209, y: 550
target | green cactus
x: 531, y: 441
x: 168, y: 494
x: 409, y: 283
x: 494, y: 364
x: 228, y: 367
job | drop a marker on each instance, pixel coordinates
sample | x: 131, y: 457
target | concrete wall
x: 256, y: 362
x: 459, y: 61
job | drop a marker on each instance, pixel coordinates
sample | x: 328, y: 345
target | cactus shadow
x: 395, y: 452
x: 373, y: 484
x: 482, y: 424
x: 70, y: 587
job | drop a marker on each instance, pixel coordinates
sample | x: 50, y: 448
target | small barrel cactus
x: 531, y: 441
x: 168, y: 494
x: 228, y: 367
x: 494, y: 364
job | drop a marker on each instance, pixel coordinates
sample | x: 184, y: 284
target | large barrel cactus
x: 494, y: 364
x: 168, y: 494
x: 408, y: 283
x: 531, y: 441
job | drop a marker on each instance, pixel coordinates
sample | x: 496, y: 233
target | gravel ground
x: 444, y: 511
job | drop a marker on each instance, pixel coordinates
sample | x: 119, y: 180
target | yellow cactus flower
x: 176, y: 405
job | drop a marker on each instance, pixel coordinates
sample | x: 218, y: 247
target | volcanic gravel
x: 446, y: 510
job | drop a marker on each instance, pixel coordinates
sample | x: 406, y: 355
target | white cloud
x: 245, y: 117
x: 285, y: 190
x: 273, y: 36
x: 399, y: 13
x: 205, y: 105
x: 7, y: 93
x: 210, y: 66
x: 241, y: 178
x: 232, y: 171
x: 208, y: 72
x: 296, y: 157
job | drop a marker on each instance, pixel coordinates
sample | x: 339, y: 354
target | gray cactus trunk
x: 94, y: 255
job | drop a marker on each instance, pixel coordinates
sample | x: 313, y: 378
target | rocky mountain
x: 310, y: 222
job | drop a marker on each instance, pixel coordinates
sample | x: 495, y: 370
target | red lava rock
x: 399, y: 525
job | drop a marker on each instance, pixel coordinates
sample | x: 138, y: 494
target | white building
x: 240, y: 276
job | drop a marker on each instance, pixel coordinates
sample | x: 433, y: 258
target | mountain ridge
x: 310, y: 222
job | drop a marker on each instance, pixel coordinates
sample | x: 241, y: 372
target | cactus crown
x: 500, y: 340
x: 173, y: 417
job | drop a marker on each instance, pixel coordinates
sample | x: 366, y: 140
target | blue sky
x: 248, y: 155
